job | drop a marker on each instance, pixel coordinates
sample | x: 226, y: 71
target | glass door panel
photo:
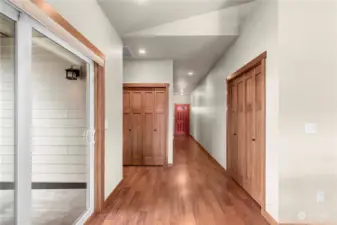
x: 7, y: 117
x: 61, y: 134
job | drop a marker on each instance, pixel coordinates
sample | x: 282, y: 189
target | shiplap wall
x: 58, y: 123
x: 7, y: 60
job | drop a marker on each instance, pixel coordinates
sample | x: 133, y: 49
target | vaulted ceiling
x: 194, y: 33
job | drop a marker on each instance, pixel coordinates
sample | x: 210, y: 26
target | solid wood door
x: 148, y: 127
x: 160, y: 110
x: 136, y: 127
x: 246, y: 128
x: 250, y: 131
x: 181, y: 119
x: 127, y: 150
x: 241, y: 133
x: 233, y: 140
x: 258, y: 160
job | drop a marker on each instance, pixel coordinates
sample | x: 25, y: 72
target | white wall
x: 208, y: 100
x: 308, y: 94
x: 181, y: 99
x: 99, y: 31
x: 154, y: 71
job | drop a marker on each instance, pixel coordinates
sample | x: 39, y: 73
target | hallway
x: 194, y: 190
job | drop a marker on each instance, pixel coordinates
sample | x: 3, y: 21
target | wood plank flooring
x: 194, y: 191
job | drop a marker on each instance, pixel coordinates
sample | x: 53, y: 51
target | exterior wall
x: 157, y: 71
x: 59, y: 120
x: 259, y: 33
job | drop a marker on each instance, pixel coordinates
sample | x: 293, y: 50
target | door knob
x: 253, y: 139
x: 155, y: 129
x: 234, y: 134
x: 129, y: 129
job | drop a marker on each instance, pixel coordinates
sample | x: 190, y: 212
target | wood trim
x: 99, y: 137
x: 259, y: 59
x: 113, y: 194
x: 145, y: 85
x: 56, y: 17
x: 268, y: 217
x: 248, y: 66
x: 91, y: 219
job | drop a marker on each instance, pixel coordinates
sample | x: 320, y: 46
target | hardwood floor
x: 194, y: 191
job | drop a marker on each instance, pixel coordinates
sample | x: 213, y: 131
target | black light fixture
x: 72, y: 73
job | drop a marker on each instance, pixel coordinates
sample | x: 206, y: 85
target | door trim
x: 156, y: 85
x: 188, y: 118
x: 240, y: 72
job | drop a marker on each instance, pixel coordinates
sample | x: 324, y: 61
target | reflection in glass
x: 7, y: 143
x: 59, y: 160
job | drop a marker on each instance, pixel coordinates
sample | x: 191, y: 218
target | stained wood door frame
x: 156, y: 85
x: 259, y: 59
x: 188, y: 118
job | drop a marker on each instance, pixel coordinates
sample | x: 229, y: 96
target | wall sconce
x: 72, y: 73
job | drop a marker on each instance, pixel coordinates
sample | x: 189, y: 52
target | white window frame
x: 23, y: 119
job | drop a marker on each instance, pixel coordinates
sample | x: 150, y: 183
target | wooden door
x: 241, y: 133
x: 148, y: 127
x: 160, y: 119
x: 181, y: 119
x: 246, y: 128
x: 233, y: 138
x: 258, y: 160
x: 136, y: 127
x: 250, y: 126
x: 127, y: 149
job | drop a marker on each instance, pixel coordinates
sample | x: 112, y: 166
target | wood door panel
x: 259, y: 131
x: 233, y: 152
x: 127, y: 150
x: 160, y: 102
x: 159, y: 142
x: 250, y: 144
x: 148, y: 148
x: 136, y: 102
x: 126, y: 102
x: 241, y: 133
x: 148, y: 101
x: 137, y: 139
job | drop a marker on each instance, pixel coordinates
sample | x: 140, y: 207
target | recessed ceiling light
x: 190, y: 73
x: 142, y: 51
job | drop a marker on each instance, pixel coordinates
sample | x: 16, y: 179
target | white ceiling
x: 133, y: 15
x: 194, y: 33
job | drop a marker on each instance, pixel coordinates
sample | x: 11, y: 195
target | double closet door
x: 145, y: 120
x: 246, y: 134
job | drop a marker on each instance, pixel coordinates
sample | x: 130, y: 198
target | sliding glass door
x: 46, y: 126
x: 7, y: 115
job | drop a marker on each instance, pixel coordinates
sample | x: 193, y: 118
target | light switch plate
x: 320, y: 197
x: 310, y: 128
x: 106, y: 124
